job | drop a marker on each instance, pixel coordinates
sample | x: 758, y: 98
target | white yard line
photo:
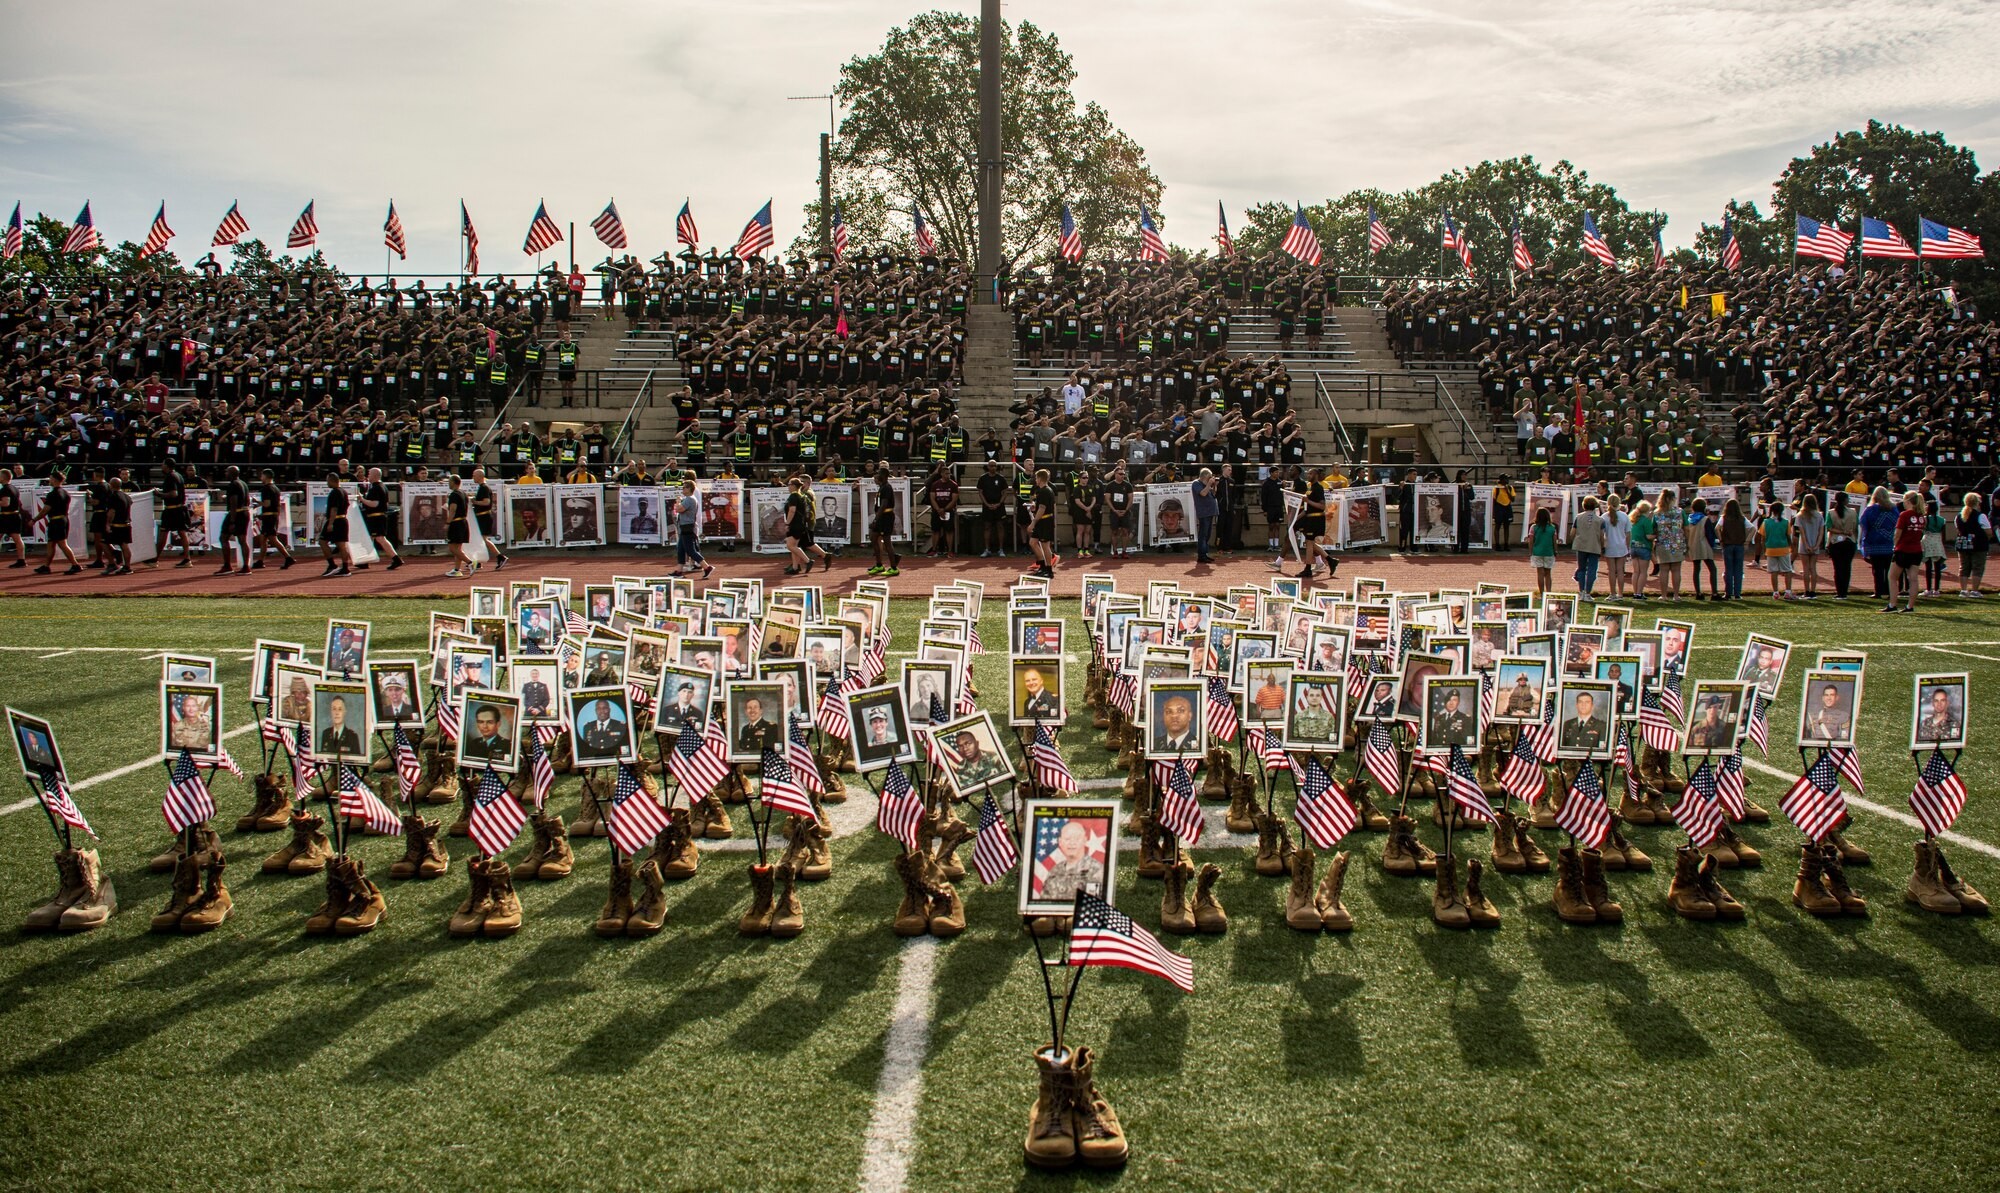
x: 891, y: 1141
x: 121, y: 772
x: 58, y: 654
x: 1965, y: 654
x: 1738, y: 646
x: 1870, y: 805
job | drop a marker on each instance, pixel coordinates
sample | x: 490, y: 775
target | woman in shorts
x: 1974, y: 537
x: 882, y: 528
x: 1670, y: 543
x: 1909, y: 553
x: 1542, y: 548
x: 1643, y: 526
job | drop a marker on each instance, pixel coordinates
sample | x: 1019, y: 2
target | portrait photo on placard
x: 1265, y: 682
x: 1827, y: 708
x: 1313, y: 712
x: 470, y: 667
x: 1718, y: 711
x: 1416, y: 669
x: 291, y: 682
x: 1380, y: 695
x: 397, y: 700
x: 1763, y: 663
x: 782, y: 636
x: 340, y: 730
x: 646, y: 654
x: 1621, y: 670
x: 1937, y: 720
x: 35, y: 746
x: 1035, y: 691
x: 974, y: 756
x: 819, y: 645
x: 1072, y: 847
x: 929, y: 691
x: 1040, y: 636
x: 684, y: 698
x: 878, y: 730
x: 1581, y: 646
x: 538, y: 626
x: 796, y: 687
x: 1451, y: 713
x: 1646, y: 645
x: 264, y: 659
x: 1175, y: 726
x: 191, y: 719
x: 1674, y: 639
x: 1841, y: 660
x: 1487, y: 643
x: 603, y: 662
x: 1583, y: 719
x: 537, y: 680
x: 1327, y: 647
x: 187, y: 668
x: 1250, y: 646
x: 486, y: 602
x: 1558, y: 611
x: 491, y: 631
x: 600, y: 603
x: 346, y: 646
x: 1519, y: 682
x: 600, y: 725
x: 754, y: 718
x: 490, y: 734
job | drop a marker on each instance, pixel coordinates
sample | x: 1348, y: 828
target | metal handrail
x: 1466, y: 430
x: 500, y: 415
x: 1340, y: 434
x: 621, y: 442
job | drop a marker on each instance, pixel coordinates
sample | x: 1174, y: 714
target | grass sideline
x: 1661, y: 1054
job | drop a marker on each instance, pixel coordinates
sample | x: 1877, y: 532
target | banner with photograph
x: 206, y: 509
x: 526, y: 508
x: 833, y: 513
x: 426, y: 513
x: 1295, y: 508
x: 145, y: 531
x: 31, y: 494
x: 1553, y: 498
x: 905, y: 524
x: 315, y: 516
x: 1716, y: 496
x: 721, y: 509
x: 1170, y: 513
x: 767, y: 519
x: 1437, y: 514
x: 640, y: 519
x: 579, y: 515
x: 1479, y: 519
x: 1786, y: 489
x: 1363, y: 522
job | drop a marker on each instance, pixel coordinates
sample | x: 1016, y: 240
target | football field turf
x: 1661, y: 1054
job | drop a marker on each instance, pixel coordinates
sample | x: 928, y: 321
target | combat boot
x: 1405, y: 856
x: 279, y: 815
x: 1835, y: 872
x: 757, y: 921
x: 1666, y: 782
x: 1634, y: 808
x: 1242, y: 814
x: 1850, y: 853
x: 558, y: 860
x: 1719, y: 852
x: 213, y: 905
x: 422, y: 856
x: 1533, y: 860
x: 617, y: 907
x: 530, y: 865
x: 1726, y: 906
x: 339, y: 890
x: 1153, y: 849
x: 1633, y: 857
x: 1573, y: 905
x: 1052, y: 1123
x: 1300, y: 912
x: 1746, y: 853
x: 1215, y: 785
x: 1809, y: 890
x: 444, y: 786
x: 1478, y: 908
x: 818, y: 864
x: 186, y: 889
x: 97, y: 901
x: 1488, y: 772
x: 70, y: 888
x: 734, y: 790
x: 562, y: 754
x: 365, y: 905
x: 834, y: 788
x: 951, y: 833
x: 589, y: 820
x: 1753, y: 814
x: 1333, y: 914
x: 1100, y: 1140
x: 788, y: 917
x: 715, y: 824
x: 946, y: 906
x: 1925, y: 889
x: 461, y: 825
x: 427, y: 766
x: 1371, y: 817
x: 1506, y: 851
x: 649, y: 910
x: 307, y: 852
x: 911, y: 914
x: 1273, y: 846
x: 1657, y: 804
x: 1684, y: 893
x: 1448, y: 908
x: 1969, y: 899
x: 478, y: 898
x: 675, y: 849
x: 503, y: 915
x: 1209, y: 916
x: 1609, y: 856
x: 1590, y: 864
x: 247, y: 823
x: 1544, y: 816
x: 1176, y: 915
x: 169, y: 860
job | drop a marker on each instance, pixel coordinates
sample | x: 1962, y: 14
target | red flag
x: 1576, y: 428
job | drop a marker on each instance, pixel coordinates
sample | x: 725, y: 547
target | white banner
x: 579, y: 511
x: 1553, y: 498
x: 426, y: 513
x: 145, y: 530
x: 1437, y: 514
x: 1170, y: 513
x: 1295, y: 508
x: 641, y: 518
x: 900, y: 486
x: 721, y: 510
x: 1362, y: 522
x: 527, y: 514
x: 1479, y: 524
x: 767, y: 519
x: 833, y: 514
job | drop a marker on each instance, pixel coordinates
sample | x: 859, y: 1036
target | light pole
x: 825, y: 174
x: 991, y: 165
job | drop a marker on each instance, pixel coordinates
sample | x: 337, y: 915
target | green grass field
x: 1661, y: 1054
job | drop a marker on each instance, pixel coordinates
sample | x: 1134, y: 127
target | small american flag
x: 1378, y: 233
x: 832, y: 716
x: 448, y: 721
x: 11, y: 246
x: 359, y: 799
x: 1269, y: 750
x: 227, y: 761
x: 1621, y: 757
x: 1325, y: 813
x: 1180, y: 811
x: 305, y: 230
x: 1880, y: 239
x: 83, y: 235
x: 635, y: 818
x: 609, y: 228
x: 1070, y: 244
x: 1656, y: 728
x: 1760, y: 723
x: 1659, y: 250
x: 1223, y: 243
x: 1102, y: 935
x: 1122, y: 693
x: 157, y: 238
x: 1584, y: 814
x: 1732, y: 252
x: 1849, y: 764
x: 188, y: 801
x: 926, y: 242
x: 1046, y: 758
x: 1523, y: 776
x: 1357, y: 678
x: 1378, y: 758
x: 1939, y: 795
x: 1463, y: 784
x: 994, y: 852
x: 542, y: 232
x: 699, y: 763
x: 799, y: 757
x: 1814, y: 802
x: 1151, y: 247
x: 1300, y: 240
x: 684, y: 229
x: 1939, y: 242
x: 757, y: 234
x: 1822, y: 240
x: 1670, y: 699
x: 231, y: 229
x: 1699, y: 811
x: 1222, y: 721
x: 1593, y: 243
x: 57, y: 799
x: 497, y: 817
x: 641, y: 697
x: 839, y: 235
x: 541, y: 770
x: 392, y: 234
x: 575, y: 624
x: 269, y: 729
x: 872, y: 663
x: 899, y: 810
x: 1455, y: 241
x: 1730, y: 787
x: 471, y: 236
x: 302, y: 771
x: 409, y: 770
x: 1523, y: 259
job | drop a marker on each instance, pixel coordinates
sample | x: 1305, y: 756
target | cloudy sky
x: 1681, y: 104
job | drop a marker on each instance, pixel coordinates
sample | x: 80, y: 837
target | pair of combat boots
x: 307, y: 852
x: 1581, y: 894
x: 1514, y: 850
x: 491, y: 908
x: 1694, y: 893
x: 1821, y: 888
x: 775, y: 909
x: 1204, y: 913
x: 200, y: 900
x: 353, y: 904
x: 84, y: 896
x: 422, y: 856
x: 1070, y: 1120
x: 1934, y: 887
x: 931, y: 903
x: 549, y: 858
x: 1402, y: 854
x: 1453, y: 906
x: 1310, y: 908
x: 624, y: 915
x: 806, y: 847
x: 272, y: 812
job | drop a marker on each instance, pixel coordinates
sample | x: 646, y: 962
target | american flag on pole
x: 471, y: 235
x: 926, y: 242
x: 1523, y: 259
x: 1879, y: 238
x: 873, y: 662
x: 832, y: 716
x: 1699, y: 811
x: 83, y: 234
x: 542, y: 232
x: 839, y: 235
x: 56, y: 798
x: 1822, y: 240
x: 11, y: 246
x: 1463, y: 784
x: 1151, y: 247
x: 231, y: 229
x: 757, y: 234
x: 1378, y: 758
x: 1849, y: 765
x: 1760, y: 722
x: 1670, y: 699
x: 1378, y: 233
x: 1938, y: 797
x: 1730, y: 789
x: 1180, y: 811
x: 1102, y: 935
x: 974, y: 641
x: 1269, y: 750
x: 609, y: 228
x: 448, y: 720
x: 305, y: 230
x: 699, y: 762
x: 227, y: 761
x: 1814, y: 802
x: 1584, y: 814
x: 1221, y: 718
x: 1523, y: 776
x: 635, y: 818
x: 1300, y: 241
x: 497, y: 817
x: 1732, y: 252
x: 574, y: 624
x: 409, y: 770
x: 1070, y: 244
x: 1455, y: 242
x: 541, y: 769
x: 1045, y: 757
x: 1122, y: 693
x: 899, y: 811
x: 1542, y: 737
x: 1357, y: 677
x: 158, y: 236
x: 684, y: 229
x: 1939, y: 242
x: 1323, y: 811
x: 1659, y: 250
x: 1223, y: 243
x: 1593, y: 243
x: 993, y: 849
x: 392, y: 234
x: 359, y: 799
x: 799, y: 756
x: 302, y: 771
x: 188, y: 801
x: 1622, y: 758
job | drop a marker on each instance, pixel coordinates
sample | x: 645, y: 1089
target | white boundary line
x: 1870, y: 805
x: 121, y: 772
x: 1965, y: 654
x: 891, y: 1140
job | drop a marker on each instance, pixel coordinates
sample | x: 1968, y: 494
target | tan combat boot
x: 186, y: 889
x: 96, y: 901
x: 213, y: 904
x: 1850, y: 853
x: 946, y: 906
x: 649, y: 910
x: 307, y: 852
x: 1809, y: 889
x: 1333, y: 914
x: 1533, y: 860
x: 503, y: 915
x: 478, y: 899
x: 338, y: 893
x: 1176, y: 915
x: 1924, y: 889
x: 558, y: 859
x: 1209, y: 917
x: 423, y: 857
x: 69, y: 889
x: 757, y: 921
x: 1835, y: 872
x: 617, y: 907
x: 1573, y: 905
x: 444, y: 783
x: 1448, y: 908
x: 675, y: 848
x: 1273, y: 846
x: 589, y: 820
x: 529, y: 866
x: 788, y: 916
x: 1746, y: 853
x: 461, y: 825
x: 715, y: 823
x: 1591, y: 866
x: 365, y: 905
x: 1633, y: 857
x: 1100, y: 1140
x: 1242, y: 814
x: 1404, y: 855
x: 1506, y: 850
x: 1051, y: 1141
x: 1300, y: 910
x: 1478, y: 908
x: 1684, y: 893
x: 1969, y: 899
x: 1372, y: 818
x: 912, y: 918
x: 1726, y: 906
x: 818, y: 865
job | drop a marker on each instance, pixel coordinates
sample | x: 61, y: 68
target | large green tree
x: 42, y: 255
x: 1763, y: 241
x: 910, y: 137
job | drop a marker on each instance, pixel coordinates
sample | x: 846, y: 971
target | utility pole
x: 991, y: 164
x: 825, y: 174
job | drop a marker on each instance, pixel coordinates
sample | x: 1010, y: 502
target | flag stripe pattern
x: 780, y: 788
x: 57, y: 799
x: 1070, y: 245
x: 409, y: 770
x: 1584, y: 813
x: 1593, y: 243
x: 1849, y: 765
x: 231, y: 229
x: 1939, y: 795
x: 994, y: 852
x: 1046, y: 759
x: 1180, y: 811
x: 1826, y: 241
x: 1760, y: 723
x: 1730, y: 787
x: 1523, y: 776
x: 757, y: 234
x: 1378, y: 758
x: 497, y: 817
x: 1699, y: 811
x: 1378, y: 233
x: 188, y: 800
x: 1938, y: 242
x: 1732, y: 252
x: 926, y: 242
x: 12, y: 245
x: 158, y: 236
x: 1523, y: 259
x: 471, y: 235
x: 1324, y: 812
x: 305, y: 230
x: 542, y: 232
x: 684, y: 229
x: 636, y: 818
x: 1656, y: 728
x: 1814, y: 802
x: 1463, y: 784
x: 1455, y: 241
x: 1151, y: 247
x: 609, y: 228
x: 839, y: 235
x: 1222, y: 722
x: 1102, y: 935
x: 699, y: 762
x: 357, y: 799
x: 1879, y: 238
x: 393, y: 237
x: 1223, y: 243
x: 541, y: 769
x: 83, y: 234
x: 899, y: 811
x: 1300, y: 240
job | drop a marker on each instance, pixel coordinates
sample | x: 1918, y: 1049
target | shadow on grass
x: 627, y: 1038
x: 446, y: 1036
x: 1492, y: 1032
x: 111, y: 1038
x: 1574, y: 956
x: 1323, y: 1043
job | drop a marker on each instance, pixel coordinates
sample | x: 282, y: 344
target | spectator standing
x: 1207, y: 509
x: 1702, y: 543
x: 1733, y: 534
x: 1587, y: 540
x: 1934, y: 528
x: 1542, y: 549
x: 1776, y: 535
x: 1840, y: 545
x: 687, y: 519
x: 1617, y: 544
x: 1973, y: 538
x: 1878, y: 539
x: 1809, y: 543
x: 1907, y: 553
x: 1643, y: 525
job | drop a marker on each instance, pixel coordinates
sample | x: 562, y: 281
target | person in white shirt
x: 1072, y: 395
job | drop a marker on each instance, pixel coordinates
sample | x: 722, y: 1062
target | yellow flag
x: 1684, y: 298
x: 1718, y: 305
